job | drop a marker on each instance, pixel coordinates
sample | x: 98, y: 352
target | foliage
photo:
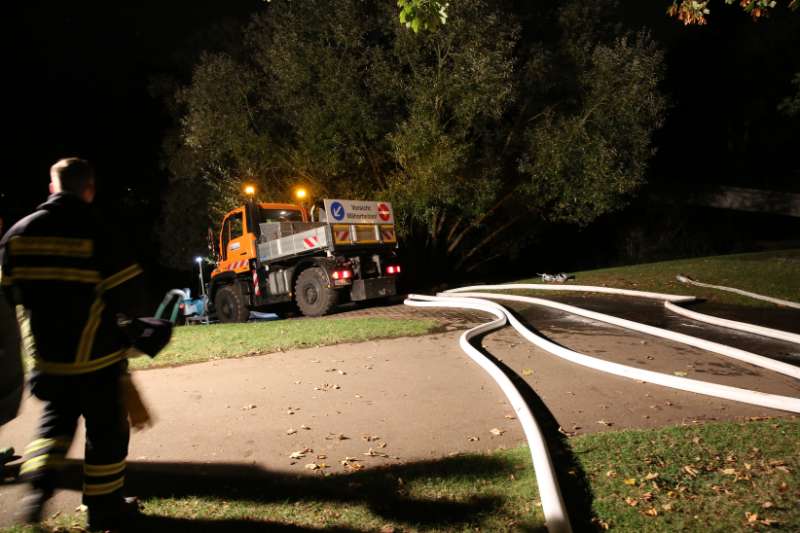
x: 429, y: 14
x: 694, y: 12
x: 422, y: 14
x: 472, y: 130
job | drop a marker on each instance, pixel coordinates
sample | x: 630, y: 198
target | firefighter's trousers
x: 97, y: 397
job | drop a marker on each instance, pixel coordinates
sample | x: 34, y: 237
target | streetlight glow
x: 300, y: 193
x: 249, y: 190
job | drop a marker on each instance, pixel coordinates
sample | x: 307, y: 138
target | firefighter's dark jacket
x: 61, y: 268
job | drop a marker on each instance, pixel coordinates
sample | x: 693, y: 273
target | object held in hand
x: 147, y: 334
x: 137, y: 411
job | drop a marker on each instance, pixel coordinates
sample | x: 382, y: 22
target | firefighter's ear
x: 51, y: 188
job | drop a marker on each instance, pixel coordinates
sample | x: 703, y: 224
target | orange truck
x: 271, y: 256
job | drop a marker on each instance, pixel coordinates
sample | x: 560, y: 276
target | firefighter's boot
x: 119, y: 516
x: 32, y: 505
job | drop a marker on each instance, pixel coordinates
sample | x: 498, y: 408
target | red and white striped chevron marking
x: 236, y: 265
x: 343, y: 235
x: 388, y: 234
x: 255, y: 283
x: 310, y: 242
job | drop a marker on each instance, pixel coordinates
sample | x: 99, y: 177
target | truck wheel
x: 313, y: 297
x: 230, y: 305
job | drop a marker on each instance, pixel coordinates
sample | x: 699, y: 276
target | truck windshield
x: 280, y: 215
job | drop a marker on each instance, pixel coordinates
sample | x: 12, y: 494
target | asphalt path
x: 404, y: 401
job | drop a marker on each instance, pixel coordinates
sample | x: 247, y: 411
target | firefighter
x: 62, y: 269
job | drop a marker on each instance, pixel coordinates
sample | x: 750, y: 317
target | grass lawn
x: 710, y: 477
x: 192, y: 344
x: 774, y: 273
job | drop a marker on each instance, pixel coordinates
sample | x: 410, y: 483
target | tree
x: 694, y: 12
x: 429, y: 14
x: 477, y: 134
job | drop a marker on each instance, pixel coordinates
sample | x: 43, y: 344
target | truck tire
x: 313, y: 296
x: 230, y: 305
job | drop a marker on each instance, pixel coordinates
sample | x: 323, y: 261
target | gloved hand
x: 138, y: 413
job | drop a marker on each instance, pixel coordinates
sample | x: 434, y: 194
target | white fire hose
x: 777, y: 301
x: 552, y: 502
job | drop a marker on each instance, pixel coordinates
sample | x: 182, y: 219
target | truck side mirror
x: 213, y: 245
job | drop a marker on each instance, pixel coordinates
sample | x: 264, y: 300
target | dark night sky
x: 79, y: 72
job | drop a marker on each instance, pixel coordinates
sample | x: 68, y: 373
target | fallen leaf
x: 751, y: 517
x: 690, y: 470
x: 473, y: 438
x: 300, y: 454
x: 291, y: 431
x: 769, y: 522
x: 682, y: 374
x: 373, y: 453
x: 305, y: 427
x: 611, y: 473
x: 527, y: 372
x: 651, y: 512
x: 370, y: 438
x: 651, y: 475
x: 312, y: 466
x: 633, y: 502
x: 630, y: 481
x: 497, y: 432
x: 249, y: 407
x: 322, y: 456
x: 666, y: 506
x: 605, y: 423
x: 511, y: 417
x: 729, y: 471
x: 767, y: 505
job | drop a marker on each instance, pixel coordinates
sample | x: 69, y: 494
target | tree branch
x: 454, y: 244
x: 489, y: 238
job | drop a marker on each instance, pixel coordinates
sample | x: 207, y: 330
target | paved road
x: 407, y: 399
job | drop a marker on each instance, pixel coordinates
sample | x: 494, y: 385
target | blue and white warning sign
x: 357, y: 212
x: 337, y: 211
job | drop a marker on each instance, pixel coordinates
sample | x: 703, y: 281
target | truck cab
x: 240, y: 232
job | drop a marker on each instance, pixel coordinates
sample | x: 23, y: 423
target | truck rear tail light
x: 342, y: 274
x: 393, y: 269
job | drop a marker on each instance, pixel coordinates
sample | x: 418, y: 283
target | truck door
x: 235, y: 244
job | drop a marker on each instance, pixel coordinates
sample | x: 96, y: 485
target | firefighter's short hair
x: 73, y: 174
